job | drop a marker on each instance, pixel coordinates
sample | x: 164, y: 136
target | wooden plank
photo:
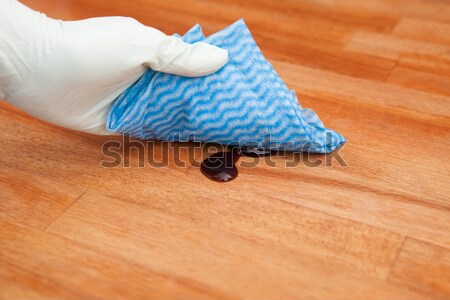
x: 303, y: 12
x: 393, y: 47
x: 92, y: 273
x: 368, y: 192
x: 323, y: 84
x: 377, y: 185
x: 373, y: 21
x: 425, y: 63
x: 390, y: 132
x: 299, y: 231
x: 32, y: 199
x: 304, y: 38
x: 251, y: 253
x: 423, y: 267
x: 28, y: 136
x: 338, y: 61
x: 19, y: 284
x: 418, y: 80
x: 423, y: 30
x: 417, y: 53
x: 376, y: 71
x: 309, y: 40
x: 424, y: 9
x: 375, y: 206
x: 374, y: 189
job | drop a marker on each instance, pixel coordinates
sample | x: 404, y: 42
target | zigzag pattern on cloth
x: 244, y: 103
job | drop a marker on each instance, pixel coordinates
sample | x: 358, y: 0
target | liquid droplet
x: 221, y: 166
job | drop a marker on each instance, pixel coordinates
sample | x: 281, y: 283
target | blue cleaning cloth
x: 244, y: 103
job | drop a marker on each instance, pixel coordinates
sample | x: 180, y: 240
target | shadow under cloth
x: 245, y: 103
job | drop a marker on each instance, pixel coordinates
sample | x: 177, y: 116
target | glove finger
x: 177, y: 57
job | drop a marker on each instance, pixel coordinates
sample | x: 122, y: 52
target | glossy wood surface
x: 378, y: 71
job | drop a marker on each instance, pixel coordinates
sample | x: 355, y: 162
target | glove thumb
x: 174, y: 56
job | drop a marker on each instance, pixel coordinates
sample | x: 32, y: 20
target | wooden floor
x: 377, y: 71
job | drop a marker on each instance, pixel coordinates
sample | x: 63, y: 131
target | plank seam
x: 400, y: 248
x: 390, y: 71
x: 65, y: 210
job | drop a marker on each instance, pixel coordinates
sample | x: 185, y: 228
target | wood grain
x: 418, y: 80
x: 20, y: 284
x: 322, y: 84
x: 34, y: 200
x: 306, y: 234
x: 423, y: 30
x: 91, y: 273
x: 375, y: 227
x: 232, y: 240
x: 392, y: 47
x: 425, y: 265
x: 431, y: 57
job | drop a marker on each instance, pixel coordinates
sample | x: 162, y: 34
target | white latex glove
x: 69, y: 72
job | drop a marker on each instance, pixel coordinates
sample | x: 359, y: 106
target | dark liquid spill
x: 221, y: 166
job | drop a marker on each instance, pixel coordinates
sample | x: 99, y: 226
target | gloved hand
x: 69, y: 72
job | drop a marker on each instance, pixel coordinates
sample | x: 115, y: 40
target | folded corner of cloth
x: 244, y: 103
